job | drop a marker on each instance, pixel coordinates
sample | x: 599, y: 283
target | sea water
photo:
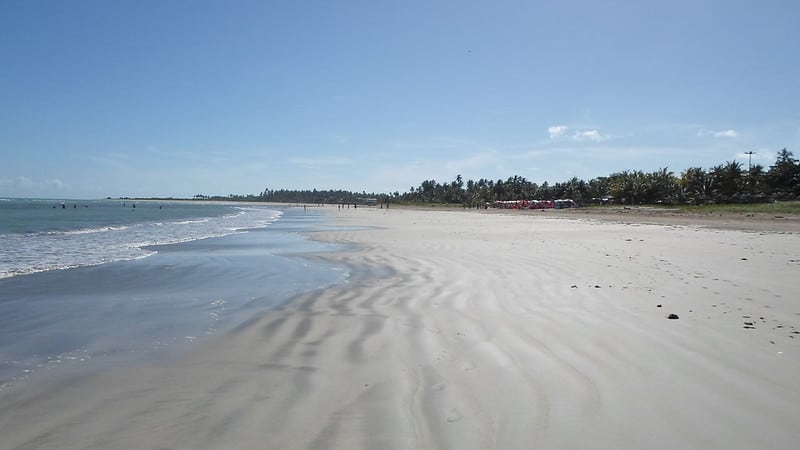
x: 87, y: 285
x: 40, y: 235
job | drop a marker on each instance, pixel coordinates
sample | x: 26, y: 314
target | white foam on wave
x: 88, y: 230
x: 38, y: 252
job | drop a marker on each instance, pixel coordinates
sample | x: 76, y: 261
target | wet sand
x: 473, y: 331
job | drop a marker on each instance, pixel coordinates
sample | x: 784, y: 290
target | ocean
x: 88, y: 285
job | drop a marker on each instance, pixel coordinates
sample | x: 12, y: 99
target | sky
x: 177, y: 98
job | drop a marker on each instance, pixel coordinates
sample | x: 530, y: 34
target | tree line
x: 730, y: 182
x: 318, y: 197
x: 724, y: 183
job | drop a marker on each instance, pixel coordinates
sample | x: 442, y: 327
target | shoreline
x: 479, y: 331
x: 126, y: 312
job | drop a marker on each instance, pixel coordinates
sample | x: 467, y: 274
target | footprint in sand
x: 453, y: 415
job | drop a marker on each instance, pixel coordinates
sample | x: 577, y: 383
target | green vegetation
x: 725, y: 187
x: 722, y: 184
x: 319, y: 197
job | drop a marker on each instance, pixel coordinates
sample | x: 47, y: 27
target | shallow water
x: 90, y: 317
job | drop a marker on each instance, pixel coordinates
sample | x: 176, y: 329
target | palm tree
x: 695, y: 185
x: 755, y: 180
x: 599, y: 188
x: 784, y: 175
x: 727, y: 180
x: 630, y: 187
x: 664, y: 186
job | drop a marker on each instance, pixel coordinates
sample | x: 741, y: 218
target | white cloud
x: 759, y: 155
x: 22, y: 184
x: 726, y: 133
x: 557, y: 131
x: 589, y: 135
x: 729, y: 133
x: 581, y: 134
x: 54, y: 182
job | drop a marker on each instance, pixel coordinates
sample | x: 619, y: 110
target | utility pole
x: 749, y: 160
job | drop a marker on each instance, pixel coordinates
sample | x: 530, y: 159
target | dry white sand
x: 480, y: 331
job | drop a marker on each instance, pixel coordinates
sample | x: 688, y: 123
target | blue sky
x: 175, y: 98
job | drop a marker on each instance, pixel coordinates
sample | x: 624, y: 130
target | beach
x: 465, y: 330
